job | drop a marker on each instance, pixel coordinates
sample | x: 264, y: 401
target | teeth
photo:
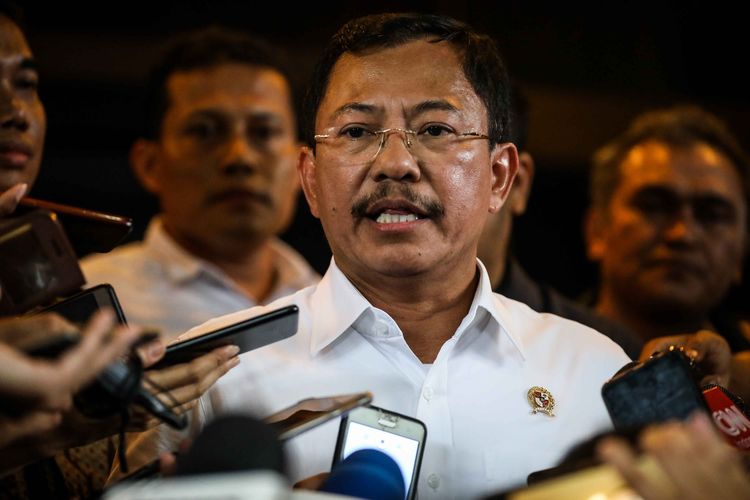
x: 393, y: 218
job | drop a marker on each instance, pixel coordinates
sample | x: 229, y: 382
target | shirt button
x: 380, y: 329
x: 427, y: 394
x: 433, y: 481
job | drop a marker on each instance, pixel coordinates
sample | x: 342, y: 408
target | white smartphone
x: 399, y: 436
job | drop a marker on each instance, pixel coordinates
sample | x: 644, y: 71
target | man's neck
x: 428, y: 309
x: 648, y: 325
x: 252, y: 267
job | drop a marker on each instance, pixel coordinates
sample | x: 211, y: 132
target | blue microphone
x: 369, y: 474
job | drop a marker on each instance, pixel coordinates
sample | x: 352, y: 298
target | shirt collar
x: 337, y: 304
x: 180, y: 266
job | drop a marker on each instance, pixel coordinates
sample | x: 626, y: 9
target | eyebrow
x: 703, y: 197
x: 359, y: 107
x: 434, y: 105
x: 264, y: 116
x: 422, y: 107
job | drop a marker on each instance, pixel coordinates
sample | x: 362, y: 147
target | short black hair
x: 12, y: 11
x: 482, y: 64
x: 681, y: 126
x: 204, y: 48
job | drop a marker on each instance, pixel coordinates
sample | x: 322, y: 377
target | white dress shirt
x: 159, y: 284
x: 481, y: 434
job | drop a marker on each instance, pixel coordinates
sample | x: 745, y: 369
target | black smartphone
x: 399, y: 436
x: 88, y: 230
x: 79, y: 308
x: 312, y: 412
x: 660, y: 389
x: 38, y: 263
x: 248, y: 335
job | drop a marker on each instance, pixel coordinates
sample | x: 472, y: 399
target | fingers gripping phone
x: 399, y: 436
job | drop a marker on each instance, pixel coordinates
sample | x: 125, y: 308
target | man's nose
x: 240, y: 155
x: 395, y: 160
x: 683, y: 227
x: 12, y: 111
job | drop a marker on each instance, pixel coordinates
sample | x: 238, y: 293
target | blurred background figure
x: 76, y: 470
x: 219, y: 152
x: 506, y: 274
x: 668, y: 226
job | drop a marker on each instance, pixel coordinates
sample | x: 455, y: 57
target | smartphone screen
x: 402, y: 449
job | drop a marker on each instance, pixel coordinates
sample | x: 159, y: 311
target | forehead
x: 13, y: 44
x: 232, y: 87
x: 691, y: 170
x: 396, y: 79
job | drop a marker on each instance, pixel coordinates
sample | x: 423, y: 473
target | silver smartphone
x: 399, y: 436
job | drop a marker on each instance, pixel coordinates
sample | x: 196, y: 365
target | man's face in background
x: 22, y: 119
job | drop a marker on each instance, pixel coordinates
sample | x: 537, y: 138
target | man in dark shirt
x: 506, y: 274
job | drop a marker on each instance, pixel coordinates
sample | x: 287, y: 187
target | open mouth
x: 392, y: 218
x: 394, y: 212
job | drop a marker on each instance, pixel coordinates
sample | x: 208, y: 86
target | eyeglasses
x: 361, y: 145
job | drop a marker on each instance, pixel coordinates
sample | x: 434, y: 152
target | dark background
x: 586, y: 70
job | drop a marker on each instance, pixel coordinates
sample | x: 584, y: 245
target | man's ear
x: 594, y: 224
x: 306, y: 167
x: 518, y: 198
x: 144, y: 160
x: 504, y: 165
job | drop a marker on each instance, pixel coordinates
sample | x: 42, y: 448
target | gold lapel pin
x: 541, y: 400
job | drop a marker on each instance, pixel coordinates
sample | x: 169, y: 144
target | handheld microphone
x: 729, y: 415
x: 369, y: 474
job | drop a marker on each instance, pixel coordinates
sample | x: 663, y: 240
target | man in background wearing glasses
x: 407, y: 154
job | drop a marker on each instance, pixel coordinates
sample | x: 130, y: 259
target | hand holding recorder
x: 695, y: 462
x: 36, y: 393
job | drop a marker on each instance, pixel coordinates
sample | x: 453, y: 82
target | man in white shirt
x: 407, y: 126
x: 219, y: 153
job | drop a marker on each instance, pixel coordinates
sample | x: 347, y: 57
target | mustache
x: 432, y: 208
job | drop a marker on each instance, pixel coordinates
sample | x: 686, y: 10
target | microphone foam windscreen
x: 233, y: 443
x: 369, y: 474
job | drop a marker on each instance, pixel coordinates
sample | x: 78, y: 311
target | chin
x: 402, y: 265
